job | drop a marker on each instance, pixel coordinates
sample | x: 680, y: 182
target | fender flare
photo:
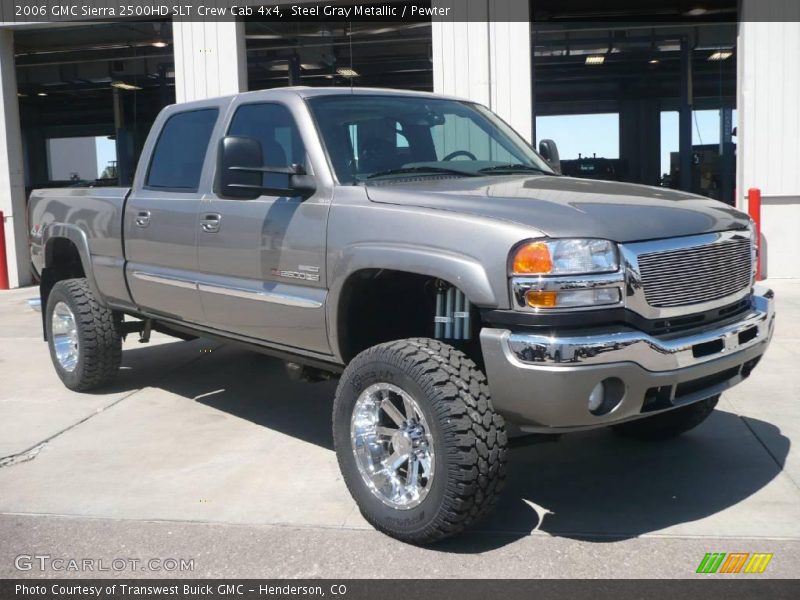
x: 77, y: 236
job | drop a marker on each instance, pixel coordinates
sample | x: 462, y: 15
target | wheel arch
x: 66, y: 255
x: 460, y: 271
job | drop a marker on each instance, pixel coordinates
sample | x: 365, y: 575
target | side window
x: 177, y: 160
x: 273, y: 126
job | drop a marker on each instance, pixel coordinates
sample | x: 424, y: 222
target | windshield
x: 370, y: 137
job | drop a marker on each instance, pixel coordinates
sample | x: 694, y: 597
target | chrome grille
x: 696, y: 274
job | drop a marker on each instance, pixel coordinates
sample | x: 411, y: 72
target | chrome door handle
x: 210, y: 223
x: 142, y: 218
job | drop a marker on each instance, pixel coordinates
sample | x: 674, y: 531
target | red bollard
x: 3, y: 261
x: 754, y: 208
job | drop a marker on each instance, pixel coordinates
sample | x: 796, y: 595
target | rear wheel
x: 668, y: 424
x: 84, y: 338
x: 418, y: 442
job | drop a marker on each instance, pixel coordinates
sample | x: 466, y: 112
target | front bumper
x: 542, y: 382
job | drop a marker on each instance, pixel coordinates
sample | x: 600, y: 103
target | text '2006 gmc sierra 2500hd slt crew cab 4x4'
x: 417, y: 248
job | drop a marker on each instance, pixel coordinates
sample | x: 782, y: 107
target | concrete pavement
x: 209, y: 452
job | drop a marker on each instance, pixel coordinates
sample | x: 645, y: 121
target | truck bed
x: 91, y: 218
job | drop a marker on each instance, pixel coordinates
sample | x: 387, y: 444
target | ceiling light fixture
x: 42, y: 94
x: 595, y: 60
x: 347, y: 72
x: 121, y: 85
x: 721, y: 55
x: 696, y: 12
x: 159, y: 44
x: 654, y: 61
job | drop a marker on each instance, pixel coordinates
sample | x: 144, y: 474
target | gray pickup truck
x: 418, y: 249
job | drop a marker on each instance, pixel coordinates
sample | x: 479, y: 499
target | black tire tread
x: 99, y: 334
x: 476, y: 440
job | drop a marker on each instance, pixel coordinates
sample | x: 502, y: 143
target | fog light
x: 606, y: 396
x: 596, y: 397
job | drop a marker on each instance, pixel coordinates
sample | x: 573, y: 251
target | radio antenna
x: 350, y: 42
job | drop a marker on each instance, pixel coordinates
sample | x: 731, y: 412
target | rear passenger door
x: 161, y: 224
x: 262, y: 261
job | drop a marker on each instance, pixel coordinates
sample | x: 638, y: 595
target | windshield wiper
x: 420, y: 169
x: 512, y: 168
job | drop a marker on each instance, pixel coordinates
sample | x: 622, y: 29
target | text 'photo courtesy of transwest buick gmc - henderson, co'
x: 416, y: 248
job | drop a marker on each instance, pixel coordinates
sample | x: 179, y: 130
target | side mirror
x: 549, y: 152
x: 236, y: 156
x: 241, y: 169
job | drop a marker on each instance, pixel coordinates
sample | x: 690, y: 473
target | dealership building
x: 78, y: 98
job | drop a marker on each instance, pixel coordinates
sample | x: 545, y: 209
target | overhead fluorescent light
x: 347, y: 72
x: 654, y: 61
x: 391, y: 29
x: 42, y: 94
x: 721, y: 55
x: 588, y: 51
x: 159, y: 44
x: 121, y: 85
x: 595, y: 60
x: 541, y: 51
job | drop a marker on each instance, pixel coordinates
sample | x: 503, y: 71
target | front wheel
x: 669, y: 424
x: 84, y: 337
x: 418, y: 442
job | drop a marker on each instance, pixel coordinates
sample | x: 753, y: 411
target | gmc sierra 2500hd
x: 416, y: 247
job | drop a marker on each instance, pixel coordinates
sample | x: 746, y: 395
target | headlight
x: 565, y: 257
x: 753, y: 231
x: 572, y: 298
x: 566, y: 274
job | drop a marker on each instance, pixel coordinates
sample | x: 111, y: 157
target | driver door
x: 262, y: 261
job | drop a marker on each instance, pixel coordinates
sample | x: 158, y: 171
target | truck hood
x: 568, y: 207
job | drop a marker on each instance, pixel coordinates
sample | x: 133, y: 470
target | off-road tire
x: 669, y: 424
x: 469, y: 437
x: 99, y: 336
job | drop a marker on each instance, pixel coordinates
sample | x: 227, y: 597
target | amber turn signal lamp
x: 541, y: 299
x: 533, y: 258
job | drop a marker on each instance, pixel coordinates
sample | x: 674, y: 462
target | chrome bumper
x: 543, y: 381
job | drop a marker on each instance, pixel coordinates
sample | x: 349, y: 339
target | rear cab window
x: 177, y: 160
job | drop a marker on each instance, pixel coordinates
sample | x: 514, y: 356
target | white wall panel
x: 486, y: 61
x: 769, y: 97
x: 769, y: 125
x: 210, y: 59
x: 12, y: 181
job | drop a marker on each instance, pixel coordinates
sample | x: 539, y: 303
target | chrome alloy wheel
x: 393, y: 445
x: 64, y: 330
